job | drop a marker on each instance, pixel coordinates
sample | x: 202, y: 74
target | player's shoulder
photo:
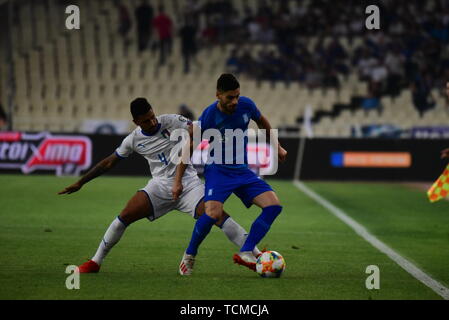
x: 210, y: 109
x: 168, y: 120
x: 171, y: 116
x: 133, y: 133
x: 165, y: 117
x: 130, y: 139
x: 246, y: 101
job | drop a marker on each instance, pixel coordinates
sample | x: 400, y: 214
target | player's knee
x: 215, y: 214
x: 214, y: 210
x: 221, y: 220
x: 129, y: 216
x: 275, y: 201
x: 125, y: 218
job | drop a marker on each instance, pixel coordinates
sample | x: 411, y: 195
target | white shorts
x: 160, y: 194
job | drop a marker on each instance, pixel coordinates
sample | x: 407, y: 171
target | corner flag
x: 440, y: 188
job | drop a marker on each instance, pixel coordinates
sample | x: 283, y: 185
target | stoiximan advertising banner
x: 29, y: 152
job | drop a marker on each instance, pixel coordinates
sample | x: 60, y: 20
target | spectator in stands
x: 192, y: 10
x: 144, y: 15
x: 164, y: 27
x: 378, y: 75
x: 314, y: 77
x: 421, y: 92
x: 247, y: 14
x: 372, y: 101
x: 248, y: 64
x: 124, y: 20
x: 394, y: 62
x: 331, y: 78
x: 233, y: 63
x: 188, y: 43
x: 255, y: 30
x: 447, y: 89
x: 185, y: 111
x: 365, y: 64
x: 209, y: 35
x: 3, y: 119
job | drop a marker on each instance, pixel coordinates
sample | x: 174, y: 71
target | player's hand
x: 445, y: 153
x: 176, y: 190
x: 71, y: 189
x: 282, y: 154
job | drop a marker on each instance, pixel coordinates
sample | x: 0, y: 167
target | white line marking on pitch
x: 361, y: 231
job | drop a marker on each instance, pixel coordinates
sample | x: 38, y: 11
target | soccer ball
x: 270, y: 264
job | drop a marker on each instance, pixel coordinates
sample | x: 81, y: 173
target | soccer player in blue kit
x: 231, y: 111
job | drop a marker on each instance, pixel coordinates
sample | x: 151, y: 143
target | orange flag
x: 440, y: 188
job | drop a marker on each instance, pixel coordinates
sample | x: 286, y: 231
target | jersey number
x: 162, y: 158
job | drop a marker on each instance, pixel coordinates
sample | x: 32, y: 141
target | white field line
x: 361, y: 231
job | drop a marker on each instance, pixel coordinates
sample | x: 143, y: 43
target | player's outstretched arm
x: 263, y: 123
x: 103, y: 166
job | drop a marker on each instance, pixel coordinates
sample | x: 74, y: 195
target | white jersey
x: 157, y: 148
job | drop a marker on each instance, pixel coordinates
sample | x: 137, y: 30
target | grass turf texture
x: 41, y: 233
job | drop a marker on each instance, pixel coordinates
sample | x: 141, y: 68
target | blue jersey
x: 213, y: 118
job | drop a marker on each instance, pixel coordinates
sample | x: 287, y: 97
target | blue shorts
x: 222, y: 181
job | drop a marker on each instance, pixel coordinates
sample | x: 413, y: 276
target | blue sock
x: 260, y: 227
x: 201, y: 230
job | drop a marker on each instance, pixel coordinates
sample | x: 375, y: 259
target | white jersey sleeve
x: 126, y: 148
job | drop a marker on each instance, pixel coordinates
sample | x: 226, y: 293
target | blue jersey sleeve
x: 255, y: 113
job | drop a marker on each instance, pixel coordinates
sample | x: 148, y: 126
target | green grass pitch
x: 41, y: 233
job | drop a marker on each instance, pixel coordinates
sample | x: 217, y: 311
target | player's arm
x: 187, y: 151
x: 263, y: 123
x: 103, y: 166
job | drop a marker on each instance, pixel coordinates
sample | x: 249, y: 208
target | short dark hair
x: 140, y: 106
x: 227, y: 82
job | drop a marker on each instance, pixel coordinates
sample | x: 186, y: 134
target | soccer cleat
x: 186, y: 265
x: 260, y: 253
x: 89, y: 267
x: 245, y: 258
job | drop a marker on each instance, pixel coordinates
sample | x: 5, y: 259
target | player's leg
x: 191, y: 201
x: 217, y: 190
x: 138, y: 207
x: 233, y: 231
x: 271, y: 208
x: 258, y: 192
x: 214, y: 212
x: 200, y: 231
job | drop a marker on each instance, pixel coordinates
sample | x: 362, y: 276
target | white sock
x: 236, y: 234
x: 110, y: 238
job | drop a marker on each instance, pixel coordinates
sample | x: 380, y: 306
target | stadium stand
x: 64, y: 77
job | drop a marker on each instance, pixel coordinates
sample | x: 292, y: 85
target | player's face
x: 147, y: 121
x: 228, y: 100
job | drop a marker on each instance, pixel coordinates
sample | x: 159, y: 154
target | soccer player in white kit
x: 151, y: 139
